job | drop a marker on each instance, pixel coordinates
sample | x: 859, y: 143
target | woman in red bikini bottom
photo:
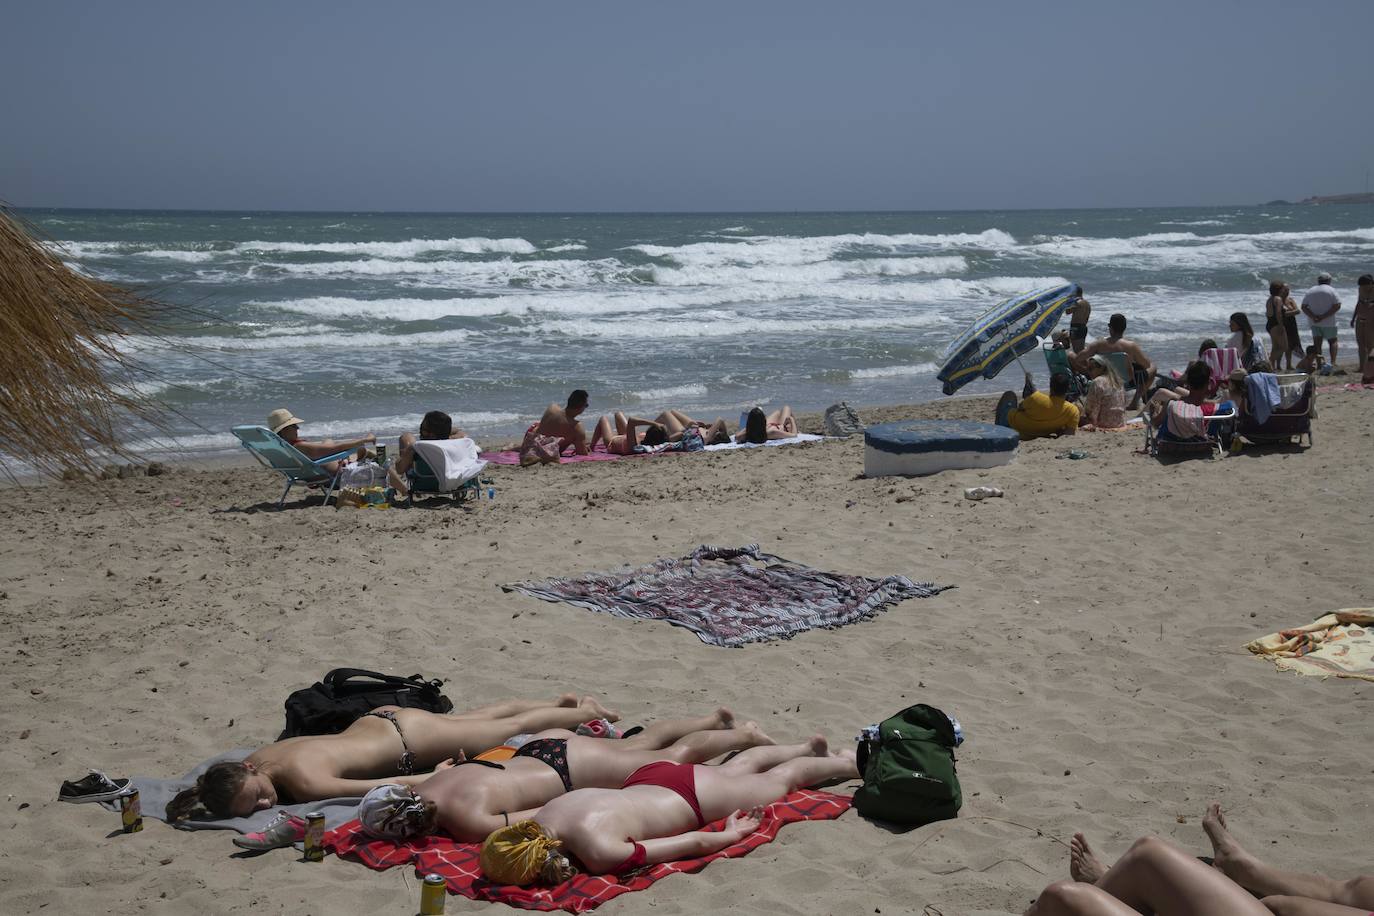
x: 657, y: 815
x: 1155, y: 876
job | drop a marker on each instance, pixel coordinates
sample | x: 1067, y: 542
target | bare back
x: 556, y: 422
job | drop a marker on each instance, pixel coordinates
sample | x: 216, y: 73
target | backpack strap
x: 340, y: 676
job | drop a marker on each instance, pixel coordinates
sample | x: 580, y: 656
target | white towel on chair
x: 453, y: 461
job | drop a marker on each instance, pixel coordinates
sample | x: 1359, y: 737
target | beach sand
x: 1092, y: 650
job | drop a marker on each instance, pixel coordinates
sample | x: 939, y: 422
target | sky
x: 701, y: 106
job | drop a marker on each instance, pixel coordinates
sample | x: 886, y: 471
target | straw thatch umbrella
x: 65, y: 387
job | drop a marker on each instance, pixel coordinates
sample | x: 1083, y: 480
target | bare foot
x: 1083, y: 862
x: 568, y: 700
x: 1227, y: 854
x: 725, y: 718
x: 819, y: 746
x: 599, y: 711
x: 757, y: 736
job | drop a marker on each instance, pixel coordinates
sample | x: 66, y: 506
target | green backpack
x: 909, y: 774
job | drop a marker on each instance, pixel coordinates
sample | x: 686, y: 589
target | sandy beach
x: 1092, y: 650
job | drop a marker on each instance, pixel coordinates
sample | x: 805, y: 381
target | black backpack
x: 329, y: 706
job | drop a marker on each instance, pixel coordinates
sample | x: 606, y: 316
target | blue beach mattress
x: 914, y: 447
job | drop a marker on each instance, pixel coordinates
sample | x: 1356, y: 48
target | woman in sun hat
x: 287, y: 425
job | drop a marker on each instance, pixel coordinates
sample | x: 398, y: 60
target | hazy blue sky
x: 686, y: 106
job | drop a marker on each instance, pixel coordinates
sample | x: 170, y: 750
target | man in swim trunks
x: 1320, y: 305
x: 657, y: 815
x: 469, y: 801
x: 1142, y: 367
x: 1078, y: 322
x: 561, y: 423
x: 435, y: 425
x: 387, y: 745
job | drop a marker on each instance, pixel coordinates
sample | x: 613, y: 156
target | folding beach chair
x: 1285, y: 424
x: 1161, y: 442
x: 1058, y: 361
x: 281, y: 456
x: 448, y: 466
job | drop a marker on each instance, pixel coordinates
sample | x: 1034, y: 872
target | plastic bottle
x: 976, y: 493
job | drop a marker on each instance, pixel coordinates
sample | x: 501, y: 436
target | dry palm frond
x: 65, y: 387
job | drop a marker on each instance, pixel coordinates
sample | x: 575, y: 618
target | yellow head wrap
x: 516, y: 854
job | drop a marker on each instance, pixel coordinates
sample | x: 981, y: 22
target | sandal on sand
x: 94, y: 787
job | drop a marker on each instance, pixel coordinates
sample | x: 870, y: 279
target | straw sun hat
x: 281, y: 418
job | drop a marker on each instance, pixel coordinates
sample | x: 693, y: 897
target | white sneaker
x: 284, y: 830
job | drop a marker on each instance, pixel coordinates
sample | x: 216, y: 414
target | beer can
x: 432, y: 893
x: 314, y: 837
x: 381, y: 454
x: 131, y: 812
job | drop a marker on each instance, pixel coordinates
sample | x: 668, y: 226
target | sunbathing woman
x: 657, y: 815
x: 760, y: 427
x: 471, y: 800
x: 402, y: 745
x: 626, y: 434
x: 1155, y: 876
x: 678, y: 423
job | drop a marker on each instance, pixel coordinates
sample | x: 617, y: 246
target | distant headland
x: 1366, y: 198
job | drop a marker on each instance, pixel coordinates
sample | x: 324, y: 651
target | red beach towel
x: 457, y: 862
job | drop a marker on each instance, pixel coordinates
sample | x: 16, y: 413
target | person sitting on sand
x: 436, y: 425
x: 1284, y: 892
x: 559, y: 428
x: 657, y: 814
x: 1197, y: 384
x: 389, y: 744
x: 1142, y: 368
x: 627, y: 433
x: 678, y: 424
x: 1104, y: 404
x: 1039, y: 414
x: 287, y: 425
x: 760, y: 427
x: 1154, y: 876
x: 469, y: 801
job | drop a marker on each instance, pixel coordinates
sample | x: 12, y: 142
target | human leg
x: 1278, y: 344
x: 1266, y: 881
x: 666, y: 731
x: 1301, y: 906
x: 672, y: 424
x: 434, y: 738
x: 607, y: 763
x: 1155, y: 876
x: 786, y: 421
x: 721, y: 791
x: 508, y: 708
x: 1071, y: 898
x: 602, y: 433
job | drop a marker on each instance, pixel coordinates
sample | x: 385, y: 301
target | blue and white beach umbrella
x: 1003, y: 333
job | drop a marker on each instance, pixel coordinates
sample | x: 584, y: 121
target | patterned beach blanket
x: 730, y: 596
x: 458, y: 862
x: 1341, y: 644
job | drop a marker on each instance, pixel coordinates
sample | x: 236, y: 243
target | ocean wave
x: 819, y: 272
x: 570, y: 246
x: 810, y: 249
x: 330, y: 339
x: 733, y: 325
x: 895, y: 371
x: 1188, y: 249
x: 657, y: 395
x: 1194, y: 222
x: 407, y: 249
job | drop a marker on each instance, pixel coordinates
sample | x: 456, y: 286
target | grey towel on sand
x: 154, y: 794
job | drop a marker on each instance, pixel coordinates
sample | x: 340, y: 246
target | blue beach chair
x: 281, y: 456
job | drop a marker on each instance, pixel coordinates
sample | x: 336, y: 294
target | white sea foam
x: 407, y: 249
x: 571, y: 246
x: 1193, y: 222
x: 895, y: 371
x: 656, y: 395
x: 298, y: 341
x: 810, y: 249
x: 1188, y: 249
x: 818, y: 272
x: 743, y: 326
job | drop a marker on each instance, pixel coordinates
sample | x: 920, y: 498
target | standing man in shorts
x: 1320, y: 305
x: 1078, y: 323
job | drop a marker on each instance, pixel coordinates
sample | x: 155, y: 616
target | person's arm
x: 699, y: 842
x: 331, y: 447
x: 315, y: 786
x: 1307, y: 310
x: 1029, y: 388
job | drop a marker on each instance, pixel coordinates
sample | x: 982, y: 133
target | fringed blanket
x: 1341, y: 644
x: 458, y: 862
x: 732, y: 596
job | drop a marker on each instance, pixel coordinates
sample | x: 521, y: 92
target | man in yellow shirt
x: 1040, y: 414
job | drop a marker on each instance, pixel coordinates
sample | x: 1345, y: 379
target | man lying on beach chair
x: 656, y: 815
x: 390, y: 744
x: 279, y: 446
x: 473, y: 799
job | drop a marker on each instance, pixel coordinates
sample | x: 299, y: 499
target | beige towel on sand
x: 1341, y: 644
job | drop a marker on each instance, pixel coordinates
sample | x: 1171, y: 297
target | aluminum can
x: 314, y: 837
x: 491, y: 492
x: 381, y: 454
x: 432, y: 894
x: 131, y: 812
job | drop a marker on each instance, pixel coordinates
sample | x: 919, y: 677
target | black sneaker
x: 95, y: 787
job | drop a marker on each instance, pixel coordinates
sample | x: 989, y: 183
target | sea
x: 361, y: 322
